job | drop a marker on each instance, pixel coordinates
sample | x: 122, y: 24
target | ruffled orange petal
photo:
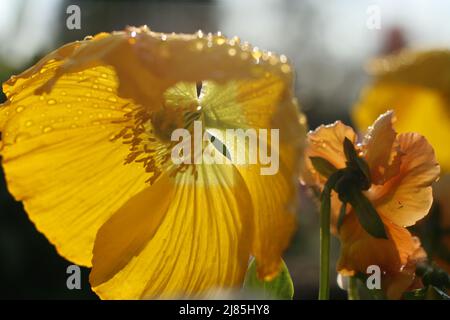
x: 405, y: 280
x: 407, y: 197
x: 360, y: 250
x: 326, y: 142
x: 381, y: 152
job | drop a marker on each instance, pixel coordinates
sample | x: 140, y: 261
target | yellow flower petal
x: 127, y: 232
x: 265, y: 103
x: 242, y: 103
x: 202, y: 244
x: 274, y: 204
x: 428, y: 69
x: 57, y: 153
x: 407, y: 197
x: 416, y: 86
x: 147, y: 63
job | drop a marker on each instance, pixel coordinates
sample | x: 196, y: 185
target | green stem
x: 353, y: 288
x: 324, y: 285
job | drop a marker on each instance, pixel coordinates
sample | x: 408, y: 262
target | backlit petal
x: 407, y: 197
x: 360, y: 250
x: 57, y: 153
x: 326, y: 142
x: 147, y: 63
x: 381, y: 152
x: 202, y: 244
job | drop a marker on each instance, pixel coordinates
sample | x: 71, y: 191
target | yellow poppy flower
x: 417, y: 86
x: 86, y: 146
x: 402, y: 169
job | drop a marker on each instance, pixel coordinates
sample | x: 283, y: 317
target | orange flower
x: 402, y: 169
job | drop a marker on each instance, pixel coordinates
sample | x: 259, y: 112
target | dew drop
x: 28, y: 123
x: 112, y: 99
x: 51, y: 101
x: 21, y: 137
x: 220, y: 41
x: 199, y: 45
x: 232, y: 52
x: 20, y: 109
x: 256, y: 53
x: 47, y: 129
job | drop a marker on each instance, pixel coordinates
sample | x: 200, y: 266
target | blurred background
x: 327, y: 41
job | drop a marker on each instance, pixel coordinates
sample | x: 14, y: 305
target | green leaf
x: 279, y: 288
x: 323, y: 166
x: 366, y: 213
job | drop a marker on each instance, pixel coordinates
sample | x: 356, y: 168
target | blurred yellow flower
x: 85, y: 147
x: 417, y: 86
x: 402, y: 168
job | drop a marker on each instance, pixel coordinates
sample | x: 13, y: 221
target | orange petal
x: 326, y: 142
x: 405, y: 280
x: 407, y: 197
x: 360, y: 250
x: 380, y: 151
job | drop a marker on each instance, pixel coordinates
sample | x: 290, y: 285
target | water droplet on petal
x: 20, y: 109
x: 51, y: 101
x: 47, y: 129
